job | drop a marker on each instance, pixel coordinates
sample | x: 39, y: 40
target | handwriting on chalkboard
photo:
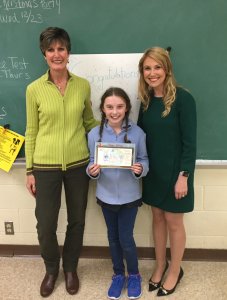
x: 14, y: 68
x: 26, y: 11
x: 111, y: 74
x: 3, y: 113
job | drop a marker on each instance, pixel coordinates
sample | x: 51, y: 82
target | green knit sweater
x: 55, y: 137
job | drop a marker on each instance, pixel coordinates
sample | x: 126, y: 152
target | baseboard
x: 103, y: 252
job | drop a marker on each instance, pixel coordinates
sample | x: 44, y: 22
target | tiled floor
x: 20, y: 279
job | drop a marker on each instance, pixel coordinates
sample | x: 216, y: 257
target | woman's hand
x: 30, y: 184
x: 181, y: 187
x: 137, y: 168
x: 94, y: 170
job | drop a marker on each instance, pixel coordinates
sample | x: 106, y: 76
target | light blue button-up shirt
x: 115, y: 185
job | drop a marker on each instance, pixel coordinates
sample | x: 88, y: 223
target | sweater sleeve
x: 31, y: 129
x: 88, y: 117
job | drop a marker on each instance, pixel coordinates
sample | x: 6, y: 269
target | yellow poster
x: 10, y: 144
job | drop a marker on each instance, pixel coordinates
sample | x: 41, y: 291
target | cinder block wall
x: 206, y: 226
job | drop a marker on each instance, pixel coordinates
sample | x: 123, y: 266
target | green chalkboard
x: 195, y: 29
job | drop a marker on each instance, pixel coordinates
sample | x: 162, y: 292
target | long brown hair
x: 115, y: 91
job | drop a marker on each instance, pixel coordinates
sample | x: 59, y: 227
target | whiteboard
x: 106, y: 70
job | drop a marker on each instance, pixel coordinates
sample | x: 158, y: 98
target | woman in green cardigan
x: 168, y: 117
x: 59, y: 115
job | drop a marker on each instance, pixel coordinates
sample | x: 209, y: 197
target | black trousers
x: 48, y: 203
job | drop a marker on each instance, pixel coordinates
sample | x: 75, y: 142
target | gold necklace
x: 61, y: 85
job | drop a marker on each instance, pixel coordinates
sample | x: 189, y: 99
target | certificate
x: 114, y: 155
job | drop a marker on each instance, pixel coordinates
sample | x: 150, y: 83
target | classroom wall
x: 206, y: 226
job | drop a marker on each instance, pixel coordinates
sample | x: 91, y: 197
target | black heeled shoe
x: 155, y: 285
x: 164, y: 292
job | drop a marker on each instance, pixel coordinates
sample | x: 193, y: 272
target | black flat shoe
x: 164, y: 292
x: 155, y: 285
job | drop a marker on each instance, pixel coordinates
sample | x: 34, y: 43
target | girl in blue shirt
x: 118, y: 189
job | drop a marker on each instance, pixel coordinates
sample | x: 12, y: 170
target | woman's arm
x: 188, y: 125
x: 88, y: 116
x: 31, y: 129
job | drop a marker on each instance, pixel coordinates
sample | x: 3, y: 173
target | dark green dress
x: 171, y: 147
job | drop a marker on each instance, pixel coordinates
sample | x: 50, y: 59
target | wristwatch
x: 184, y: 173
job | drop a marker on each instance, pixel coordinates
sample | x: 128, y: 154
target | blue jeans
x: 120, y: 226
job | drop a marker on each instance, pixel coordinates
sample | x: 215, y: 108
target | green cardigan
x: 55, y: 137
x: 171, y: 147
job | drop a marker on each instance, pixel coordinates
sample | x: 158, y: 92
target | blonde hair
x: 169, y: 91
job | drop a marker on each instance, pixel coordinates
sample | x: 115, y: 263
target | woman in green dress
x: 168, y: 117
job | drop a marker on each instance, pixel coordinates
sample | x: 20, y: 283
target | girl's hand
x: 30, y: 184
x: 94, y: 170
x: 137, y: 168
x: 181, y: 187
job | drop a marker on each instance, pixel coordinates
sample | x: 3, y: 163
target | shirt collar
x: 47, y: 75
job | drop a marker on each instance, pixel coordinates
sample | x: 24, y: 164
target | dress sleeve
x: 188, y: 127
x: 139, y: 122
